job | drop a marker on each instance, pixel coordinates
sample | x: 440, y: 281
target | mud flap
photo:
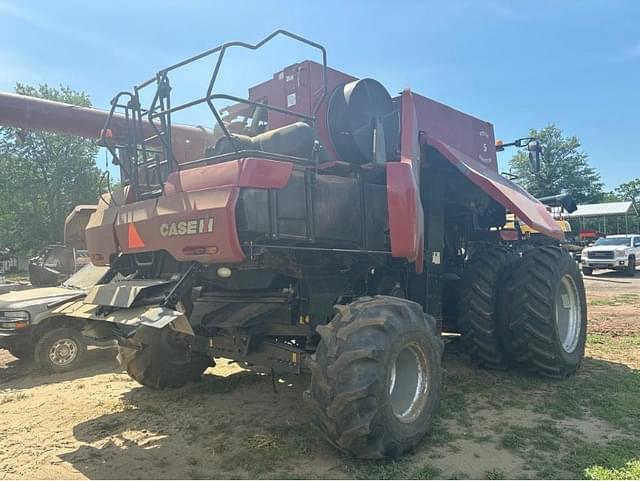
x: 154, y: 316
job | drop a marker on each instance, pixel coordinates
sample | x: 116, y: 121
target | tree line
x: 43, y: 175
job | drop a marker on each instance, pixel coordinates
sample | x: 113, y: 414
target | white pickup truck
x: 619, y: 252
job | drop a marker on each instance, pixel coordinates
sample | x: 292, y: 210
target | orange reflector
x: 134, y: 241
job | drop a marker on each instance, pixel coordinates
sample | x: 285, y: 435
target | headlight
x: 14, y: 319
x: 620, y: 252
x: 18, y: 315
x: 584, y: 252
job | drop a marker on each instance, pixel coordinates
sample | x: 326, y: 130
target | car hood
x: 34, y: 297
x: 605, y: 248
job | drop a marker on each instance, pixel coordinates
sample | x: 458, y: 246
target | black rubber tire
x: 481, y: 316
x: 47, y: 341
x: 533, y: 330
x: 631, y: 268
x: 351, y: 375
x: 21, y: 351
x: 587, y: 271
x: 161, y: 363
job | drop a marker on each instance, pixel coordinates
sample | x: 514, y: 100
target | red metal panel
x: 468, y: 134
x: 510, y: 195
x: 406, y: 217
x: 250, y: 172
x: 158, y: 225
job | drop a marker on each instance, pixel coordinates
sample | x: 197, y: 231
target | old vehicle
x: 324, y: 226
x: 618, y: 252
x: 56, y: 263
x: 29, y: 327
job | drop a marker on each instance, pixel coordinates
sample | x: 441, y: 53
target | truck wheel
x: 376, y: 377
x: 587, y: 271
x: 164, y: 359
x: 548, y: 313
x: 61, y: 349
x: 631, y: 268
x: 480, y: 314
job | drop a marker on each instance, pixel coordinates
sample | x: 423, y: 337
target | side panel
x: 406, y: 217
x: 505, y: 192
x: 196, y: 225
x: 468, y: 134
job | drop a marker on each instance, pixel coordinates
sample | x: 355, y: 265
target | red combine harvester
x: 324, y: 226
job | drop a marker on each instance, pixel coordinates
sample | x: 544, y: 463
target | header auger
x: 325, y: 226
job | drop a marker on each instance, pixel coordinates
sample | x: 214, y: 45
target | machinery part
x: 295, y: 139
x: 587, y: 271
x: 32, y: 113
x: 164, y: 359
x: 356, y: 110
x: 376, y: 377
x: 548, y: 313
x: 60, y: 350
x: 631, y: 267
x: 481, y: 316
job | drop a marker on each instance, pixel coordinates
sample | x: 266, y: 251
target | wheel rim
x: 568, y: 314
x: 63, y: 352
x: 409, y: 383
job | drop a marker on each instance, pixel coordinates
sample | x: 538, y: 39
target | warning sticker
x: 291, y: 99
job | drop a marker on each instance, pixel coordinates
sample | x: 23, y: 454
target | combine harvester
x: 324, y: 226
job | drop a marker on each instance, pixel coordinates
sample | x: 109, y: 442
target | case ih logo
x: 187, y: 227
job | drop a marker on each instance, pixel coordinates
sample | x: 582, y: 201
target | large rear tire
x: 164, y: 359
x: 548, y: 313
x: 376, y: 377
x: 480, y: 310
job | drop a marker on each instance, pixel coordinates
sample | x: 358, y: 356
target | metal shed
x: 613, y: 211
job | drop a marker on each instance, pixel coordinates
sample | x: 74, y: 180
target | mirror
x: 535, y: 154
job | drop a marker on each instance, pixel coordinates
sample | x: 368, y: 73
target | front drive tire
x: 61, y: 349
x: 548, y: 313
x: 376, y: 377
x: 164, y: 359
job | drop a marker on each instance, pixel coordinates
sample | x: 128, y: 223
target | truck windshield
x: 613, y: 241
x: 86, y: 277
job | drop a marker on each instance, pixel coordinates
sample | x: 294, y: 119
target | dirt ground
x: 97, y: 423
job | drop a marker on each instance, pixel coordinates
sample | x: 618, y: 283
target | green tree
x: 43, y: 176
x: 564, y: 168
x: 630, y: 191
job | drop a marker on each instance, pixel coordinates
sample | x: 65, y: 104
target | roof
x: 605, y: 208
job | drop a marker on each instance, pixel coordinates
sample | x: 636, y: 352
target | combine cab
x: 324, y: 226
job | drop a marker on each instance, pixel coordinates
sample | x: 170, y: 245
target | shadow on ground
x: 24, y: 374
x: 490, y: 425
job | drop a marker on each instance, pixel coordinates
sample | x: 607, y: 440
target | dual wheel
x: 525, y: 310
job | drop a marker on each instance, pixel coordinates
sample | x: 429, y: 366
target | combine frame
x: 328, y: 228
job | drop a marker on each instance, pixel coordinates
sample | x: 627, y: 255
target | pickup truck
x: 618, y: 252
x: 30, y: 327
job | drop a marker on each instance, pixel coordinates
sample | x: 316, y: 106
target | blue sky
x: 515, y: 64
